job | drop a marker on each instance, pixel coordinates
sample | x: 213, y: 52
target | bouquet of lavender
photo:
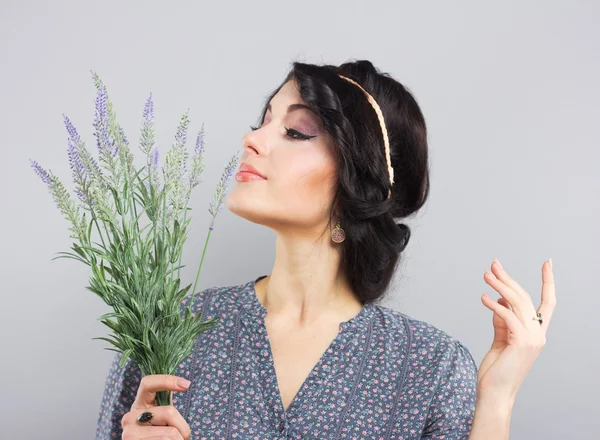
x: 133, y: 266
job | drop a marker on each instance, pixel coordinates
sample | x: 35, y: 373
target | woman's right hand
x: 177, y: 429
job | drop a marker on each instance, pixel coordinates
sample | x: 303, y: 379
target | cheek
x: 307, y: 179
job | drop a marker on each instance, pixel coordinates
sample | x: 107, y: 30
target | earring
x: 338, y: 234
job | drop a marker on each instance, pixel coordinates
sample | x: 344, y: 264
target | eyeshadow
x: 307, y: 125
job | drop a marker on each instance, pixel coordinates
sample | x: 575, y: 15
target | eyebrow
x: 292, y: 107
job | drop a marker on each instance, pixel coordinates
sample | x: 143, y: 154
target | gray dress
x: 385, y: 376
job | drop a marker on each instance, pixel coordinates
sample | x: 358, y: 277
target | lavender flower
x: 86, y: 173
x: 197, y: 163
x: 63, y: 201
x: 91, y: 167
x: 72, y: 131
x: 155, y: 158
x: 40, y: 172
x: 175, y: 169
x: 107, y: 146
x: 147, y: 141
x: 152, y: 293
x: 80, y: 176
x: 101, y: 121
x: 221, y: 191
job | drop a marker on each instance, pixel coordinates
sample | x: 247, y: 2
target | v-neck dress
x: 385, y: 376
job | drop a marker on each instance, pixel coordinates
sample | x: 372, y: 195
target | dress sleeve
x: 450, y: 415
x: 120, y: 389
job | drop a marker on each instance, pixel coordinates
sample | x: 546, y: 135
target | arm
x: 492, y: 420
x: 120, y: 390
x: 450, y: 414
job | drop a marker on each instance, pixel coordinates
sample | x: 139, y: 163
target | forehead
x: 287, y: 96
x: 288, y: 92
x: 288, y: 100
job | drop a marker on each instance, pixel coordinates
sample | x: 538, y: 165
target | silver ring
x: 538, y: 318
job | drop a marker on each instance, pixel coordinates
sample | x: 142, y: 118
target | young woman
x: 307, y: 352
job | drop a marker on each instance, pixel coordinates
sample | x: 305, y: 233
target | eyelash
x: 291, y: 133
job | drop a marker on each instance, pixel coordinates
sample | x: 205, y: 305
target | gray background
x: 510, y: 94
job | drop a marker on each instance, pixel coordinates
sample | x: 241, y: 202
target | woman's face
x: 300, y: 173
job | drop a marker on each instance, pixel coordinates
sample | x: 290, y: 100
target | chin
x: 242, y: 206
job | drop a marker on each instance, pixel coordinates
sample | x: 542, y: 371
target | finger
x: 151, y: 384
x: 521, y: 308
x: 165, y: 416
x: 548, y: 303
x: 503, y: 276
x: 501, y: 331
x: 508, y: 316
x: 158, y: 433
x: 160, y: 437
x: 504, y: 303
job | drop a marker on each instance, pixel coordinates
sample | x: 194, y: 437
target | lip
x: 246, y: 167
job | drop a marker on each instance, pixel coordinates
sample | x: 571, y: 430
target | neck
x: 306, y: 287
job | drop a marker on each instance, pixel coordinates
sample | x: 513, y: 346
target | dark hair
x: 374, y: 241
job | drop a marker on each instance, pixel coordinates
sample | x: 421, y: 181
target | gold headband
x: 386, y: 141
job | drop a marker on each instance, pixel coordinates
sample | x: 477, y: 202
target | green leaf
x: 78, y: 249
x: 112, y: 325
x: 126, y: 354
x: 69, y: 256
x: 109, y: 315
x: 112, y: 341
x: 117, y: 200
x: 89, y: 230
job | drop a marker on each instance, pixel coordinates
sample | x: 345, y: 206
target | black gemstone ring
x: 144, y: 418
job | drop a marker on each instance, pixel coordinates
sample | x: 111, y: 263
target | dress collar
x: 256, y: 311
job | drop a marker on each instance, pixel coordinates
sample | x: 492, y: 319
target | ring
x: 538, y: 318
x: 144, y: 418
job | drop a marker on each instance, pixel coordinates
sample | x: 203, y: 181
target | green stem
x: 181, y: 254
x: 163, y: 236
x: 133, y: 211
x: 202, y: 259
x: 98, y: 228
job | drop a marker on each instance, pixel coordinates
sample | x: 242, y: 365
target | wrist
x: 500, y: 408
x: 491, y: 420
x: 500, y: 401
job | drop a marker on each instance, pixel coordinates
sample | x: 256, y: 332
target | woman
x: 306, y: 352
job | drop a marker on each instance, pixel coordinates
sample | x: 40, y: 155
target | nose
x: 253, y: 143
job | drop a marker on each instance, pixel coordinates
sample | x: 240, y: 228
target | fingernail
x: 550, y: 260
x: 183, y: 383
x: 498, y: 262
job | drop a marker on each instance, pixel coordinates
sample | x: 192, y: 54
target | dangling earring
x: 338, y: 234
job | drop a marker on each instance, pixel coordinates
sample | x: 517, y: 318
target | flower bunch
x: 133, y: 266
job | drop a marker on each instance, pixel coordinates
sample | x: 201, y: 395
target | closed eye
x: 294, y: 134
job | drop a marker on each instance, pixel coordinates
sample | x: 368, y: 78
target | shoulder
x: 422, y: 342
x: 217, y: 298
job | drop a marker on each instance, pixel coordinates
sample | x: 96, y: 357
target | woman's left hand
x: 518, y: 335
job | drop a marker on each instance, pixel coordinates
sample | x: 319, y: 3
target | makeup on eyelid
x: 303, y: 122
x: 306, y: 126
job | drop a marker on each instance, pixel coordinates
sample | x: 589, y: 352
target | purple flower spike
x: 200, y: 141
x: 75, y: 161
x: 122, y: 133
x: 71, y: 129
x: 40, y: 172
x: 148, y: 114
x: 101, y: 120
x: 155, y: 157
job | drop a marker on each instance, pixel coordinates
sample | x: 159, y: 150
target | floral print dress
x: 384, y: 376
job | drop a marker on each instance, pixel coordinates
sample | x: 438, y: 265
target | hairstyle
x: 374, y: 241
